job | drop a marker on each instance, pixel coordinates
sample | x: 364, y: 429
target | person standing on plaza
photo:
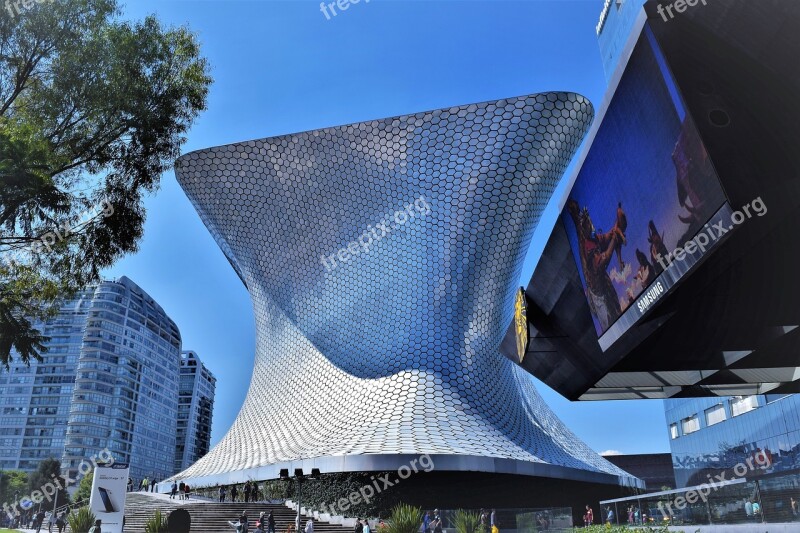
x: 270, y: 523
x: 181, y: 487
x: 173, y: 490
x: 364, y: 530
x: 61, y: 522
x: 234, y: 493
x: 144, y: 484
x: 426, y: 523
x: 588, y: 518
x: 39, y: 521
x: 222, y: 493
x: 359, y: 527
x: 493, y: 521
x: 187, y: 491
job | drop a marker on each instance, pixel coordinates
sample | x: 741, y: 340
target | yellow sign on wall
x: 521, y: 323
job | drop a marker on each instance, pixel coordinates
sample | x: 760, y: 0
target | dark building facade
x: 671, y: 272
x: 655, y: 469
x: 195, y: 410
x: 709, y: 436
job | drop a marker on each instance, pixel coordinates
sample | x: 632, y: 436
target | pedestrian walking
x: 61, y: 522
x: 270, y: 523
x: 174, y: 490
x: 181, y: 490
x: 223, y: 492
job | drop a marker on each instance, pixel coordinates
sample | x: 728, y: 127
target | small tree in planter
x: 404, y: 519
x: 466, y: 522
x: 81, y: 520
x: 157, y: 524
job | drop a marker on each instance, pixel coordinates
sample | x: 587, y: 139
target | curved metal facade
x: 382, y: 259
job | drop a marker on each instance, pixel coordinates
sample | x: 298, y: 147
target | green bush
x: 404, y: 519
x: 625, y: 529
x: 157, y: 524
x: 81, y: 520
x: 467, y: 522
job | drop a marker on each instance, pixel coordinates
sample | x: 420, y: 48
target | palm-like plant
x: 157, y: 524
x: 81, y: 520
x: 467, y: 522
x: 404, y: 519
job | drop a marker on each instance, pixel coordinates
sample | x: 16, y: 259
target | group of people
x: 635, y: 516
x: 182, y: 490
x: 51, y: 520
x: 264, y: 524
x: 432, y: 522
x: 362, y: 526
x: 145, y: 486
x: 250, y: 493
x: 753, y: 510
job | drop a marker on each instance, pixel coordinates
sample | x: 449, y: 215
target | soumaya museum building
x: 383, y: 259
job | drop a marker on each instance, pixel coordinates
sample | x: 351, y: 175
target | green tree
x: 12, y: 482
x: 84, y: 491
x: 46, y: 479
x: 93, y: 109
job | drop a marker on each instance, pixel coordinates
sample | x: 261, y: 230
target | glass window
x: 673, y: 431
x: 691, y: 424
x: 743, y: 404
x: 715, y: 415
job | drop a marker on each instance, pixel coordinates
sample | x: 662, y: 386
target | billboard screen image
x: 647, y: 186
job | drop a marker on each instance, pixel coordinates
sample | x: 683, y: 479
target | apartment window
x: 673, y: 431
x: 743, y: 404
x: 690, y: 425
x: 715, y: 415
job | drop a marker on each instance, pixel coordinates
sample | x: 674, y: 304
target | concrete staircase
x: 213, y: 517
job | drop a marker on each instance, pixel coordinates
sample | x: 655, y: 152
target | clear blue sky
x: 282, y: 67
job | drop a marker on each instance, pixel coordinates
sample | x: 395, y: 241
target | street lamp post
x: 300, y: 478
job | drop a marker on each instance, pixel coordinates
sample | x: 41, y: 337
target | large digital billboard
x: 646, y: 187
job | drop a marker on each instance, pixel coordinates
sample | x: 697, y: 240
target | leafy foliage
x: 46, y: 473
x: 12, y: 482
x: 157, y: 523
x: 467, y: 522
x: 330, y: 488
x: 404, y: 519
x: 93, y: 109
x: 84, y: 491
x: 81, y: 521
x: 625, y: 529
